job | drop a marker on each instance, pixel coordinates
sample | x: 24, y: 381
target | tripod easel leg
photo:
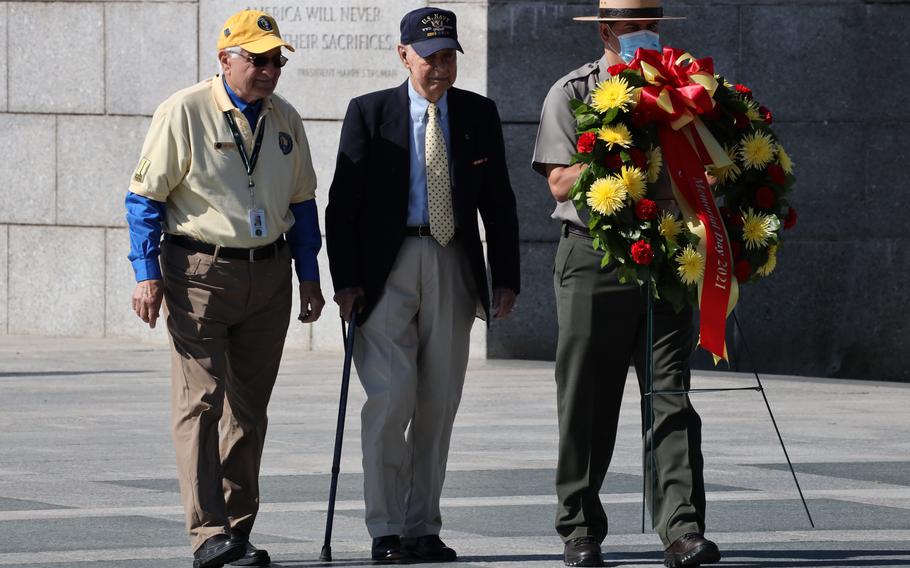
x: 761, y: 389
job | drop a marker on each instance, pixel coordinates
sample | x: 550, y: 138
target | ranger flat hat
x: 622, y: 10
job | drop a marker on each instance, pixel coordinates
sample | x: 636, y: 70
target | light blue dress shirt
x: 418, y: 213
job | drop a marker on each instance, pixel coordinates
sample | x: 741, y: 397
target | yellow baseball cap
x: 254, y: 31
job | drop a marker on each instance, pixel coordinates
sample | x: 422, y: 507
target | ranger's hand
x: 311, y: 301
x: 345, y: 299
x: 147, y: 300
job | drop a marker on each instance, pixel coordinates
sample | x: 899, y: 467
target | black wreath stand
x: 649, y: 466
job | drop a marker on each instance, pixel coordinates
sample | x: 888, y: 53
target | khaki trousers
x: 227, y: 320
x: 602, y: 329
x: 411, y: 355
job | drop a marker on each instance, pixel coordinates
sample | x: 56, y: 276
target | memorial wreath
x: 669, y: 108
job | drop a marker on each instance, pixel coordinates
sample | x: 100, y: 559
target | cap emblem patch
x: 265, y: 24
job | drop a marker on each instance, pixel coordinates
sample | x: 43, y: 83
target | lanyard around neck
x: 249, y: 162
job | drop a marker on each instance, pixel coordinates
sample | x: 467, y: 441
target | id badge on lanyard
x: 258, y: 226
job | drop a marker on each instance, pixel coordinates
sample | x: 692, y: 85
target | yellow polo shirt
x: 191, y: 163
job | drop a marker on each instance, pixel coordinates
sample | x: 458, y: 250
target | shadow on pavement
x: 732, y: 559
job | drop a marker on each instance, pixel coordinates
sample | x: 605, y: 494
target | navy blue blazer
x: 368, y: 201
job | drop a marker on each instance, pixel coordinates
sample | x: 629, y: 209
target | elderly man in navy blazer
x: 415, y: 165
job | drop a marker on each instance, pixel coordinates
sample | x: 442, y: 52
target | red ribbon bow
x: 673, y: 92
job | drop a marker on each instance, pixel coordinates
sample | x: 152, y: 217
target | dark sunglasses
x: 259, y: 61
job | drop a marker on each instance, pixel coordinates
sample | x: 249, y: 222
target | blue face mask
x: 630, y: 43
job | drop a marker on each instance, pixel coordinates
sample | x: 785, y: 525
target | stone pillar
x: 343, y: 49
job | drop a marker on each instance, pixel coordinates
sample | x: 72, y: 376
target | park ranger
x: 602, y: 329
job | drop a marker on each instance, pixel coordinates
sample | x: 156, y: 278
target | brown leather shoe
x: 691, y: 549
x: 583, y: 551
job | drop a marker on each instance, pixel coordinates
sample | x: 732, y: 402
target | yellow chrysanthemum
x: 607, y: 195
x: 783, y: 158
x: 768, y: 267
x: 655, y: 164
x: 691, y: 267
x: 615, y: 92
x: 635, y: 181
x: 669, y: 226
x: 727, y: 173
x: 616, y: 135
x: 757, y: 229
x: 752, y: 111
x: 757, y: 150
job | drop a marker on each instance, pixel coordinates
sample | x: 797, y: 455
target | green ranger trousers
x: 601, y: 329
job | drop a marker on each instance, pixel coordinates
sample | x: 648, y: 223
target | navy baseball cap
x: 428, y: 30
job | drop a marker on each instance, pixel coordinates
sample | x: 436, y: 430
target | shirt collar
x: 419, y: 105
x: 603, y: 66
x: 241, y: 104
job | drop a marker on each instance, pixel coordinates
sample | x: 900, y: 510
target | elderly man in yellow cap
x: 226, y: 173
x: 602, y: 329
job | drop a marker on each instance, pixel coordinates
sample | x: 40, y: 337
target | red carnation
x: 765, y: 198
x: 777, y: 174
x: 613, y: 161
x: 742, y: 120
x: 646, y: 210
x: 743, y: 270
x: 766, y: 113
x: 642, y: 253
x: 586, y: 142
x: 638, y: 158
x: 790, y: 220
x: 736, y: 248
x: 744, y: 91
x: 617, y: 69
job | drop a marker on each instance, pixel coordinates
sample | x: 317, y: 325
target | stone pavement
x: 87, y: 467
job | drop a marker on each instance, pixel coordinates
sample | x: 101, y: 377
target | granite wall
x: 833, y: 73
x: 79, y: 81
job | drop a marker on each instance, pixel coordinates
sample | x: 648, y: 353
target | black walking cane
x: 347, y: 336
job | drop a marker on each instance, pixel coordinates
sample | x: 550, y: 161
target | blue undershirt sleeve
x: 305, y: 240
x: 145, y: 217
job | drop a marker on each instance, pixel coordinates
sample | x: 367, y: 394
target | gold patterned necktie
x: 439, y: 187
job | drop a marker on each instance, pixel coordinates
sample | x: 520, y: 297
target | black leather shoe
x: 691, y: 549
x: 428, y: 548
x: 583, y: 551
x: 252, y: 556
x: 387, y: 550
x: 217, y: 551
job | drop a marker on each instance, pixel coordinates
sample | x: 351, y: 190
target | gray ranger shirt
x: 556, y: 137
